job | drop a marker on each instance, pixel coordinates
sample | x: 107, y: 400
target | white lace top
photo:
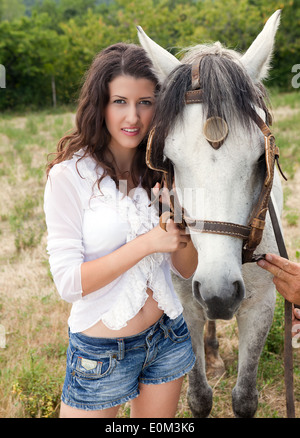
x: 84, y: 224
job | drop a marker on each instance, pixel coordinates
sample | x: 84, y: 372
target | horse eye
x: 261, y: 158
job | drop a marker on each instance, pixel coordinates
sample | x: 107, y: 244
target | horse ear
x: 162, y: 60
x: 257, y: 59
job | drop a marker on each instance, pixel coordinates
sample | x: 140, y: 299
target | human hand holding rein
x: 286, y: 276
x: 287, y: 282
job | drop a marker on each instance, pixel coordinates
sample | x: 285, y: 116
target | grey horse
x: 226, y: 183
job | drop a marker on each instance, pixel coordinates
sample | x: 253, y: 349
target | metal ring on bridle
x: 215, y: 131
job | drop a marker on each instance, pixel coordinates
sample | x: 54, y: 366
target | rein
x: 252, y: 233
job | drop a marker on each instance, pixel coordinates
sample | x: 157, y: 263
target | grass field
x: 34, y: 318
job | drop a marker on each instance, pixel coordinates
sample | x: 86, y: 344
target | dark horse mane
x: 228, y: 92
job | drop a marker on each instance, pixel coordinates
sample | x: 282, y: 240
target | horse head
x: 215, y: 149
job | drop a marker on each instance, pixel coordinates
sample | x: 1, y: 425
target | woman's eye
x: 120, y: 101
x: 142, y: 102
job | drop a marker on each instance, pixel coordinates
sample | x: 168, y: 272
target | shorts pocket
x: 179, y: 332
x: 89, y: 368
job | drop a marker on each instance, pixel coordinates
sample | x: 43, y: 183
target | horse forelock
x: 228, y: 91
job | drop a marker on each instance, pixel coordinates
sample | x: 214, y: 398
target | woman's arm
x: 64, y: 215
x: 184, y: 260
x: 98, y: 273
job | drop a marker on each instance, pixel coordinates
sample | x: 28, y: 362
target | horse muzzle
x: 219, y: 301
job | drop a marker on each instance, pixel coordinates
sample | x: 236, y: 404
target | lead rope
x: 288, y: 308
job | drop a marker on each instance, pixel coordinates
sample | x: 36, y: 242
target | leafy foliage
x: 37, y: 391
x: 51, y: 43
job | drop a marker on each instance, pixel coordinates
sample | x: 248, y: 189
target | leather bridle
x: 252, y: 233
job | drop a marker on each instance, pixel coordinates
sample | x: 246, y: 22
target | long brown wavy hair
x: 90, y: 130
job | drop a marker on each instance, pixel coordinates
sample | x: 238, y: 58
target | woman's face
x: 129, y: 111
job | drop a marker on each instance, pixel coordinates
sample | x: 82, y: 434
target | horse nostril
x: 239, y: 290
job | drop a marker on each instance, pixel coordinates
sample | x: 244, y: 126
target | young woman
x: 108, y: 255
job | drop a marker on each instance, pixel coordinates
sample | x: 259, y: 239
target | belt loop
x: 163, y: 326
x: 121, y: 349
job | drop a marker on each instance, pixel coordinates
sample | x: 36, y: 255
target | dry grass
x: 35, y: 319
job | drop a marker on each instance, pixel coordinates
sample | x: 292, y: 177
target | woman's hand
x: 163, y: 193
x: 175, y: 240
x: 170, y: 240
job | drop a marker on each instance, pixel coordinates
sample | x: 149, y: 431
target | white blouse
x: 84, y: 224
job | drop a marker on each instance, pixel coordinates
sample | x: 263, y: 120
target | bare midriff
x: 145, y: 318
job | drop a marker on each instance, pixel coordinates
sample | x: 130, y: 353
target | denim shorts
x: 105, y: 372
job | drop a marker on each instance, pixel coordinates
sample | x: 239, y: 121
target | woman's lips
x: 131, y: 131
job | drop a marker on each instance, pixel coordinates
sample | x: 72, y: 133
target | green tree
x: 53, y: 46
x: 11, y: 9
x: 30, y: 53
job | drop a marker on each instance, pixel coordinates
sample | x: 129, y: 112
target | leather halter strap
x: 196, y: 75
x: 218, y: 227
x: 194, y: 96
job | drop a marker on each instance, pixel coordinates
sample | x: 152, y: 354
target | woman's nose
x: 132, y: 115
